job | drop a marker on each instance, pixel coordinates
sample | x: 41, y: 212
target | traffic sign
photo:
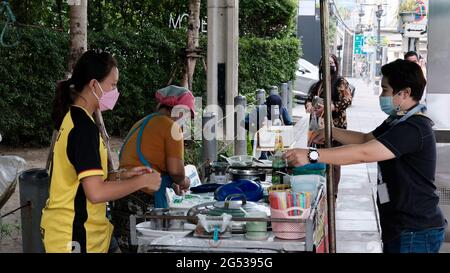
x: 359, y: 44
x: 415, y: 30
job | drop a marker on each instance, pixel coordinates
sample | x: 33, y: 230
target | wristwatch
x: 313, y: 155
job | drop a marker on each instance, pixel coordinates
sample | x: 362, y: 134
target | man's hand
x: 296, y: 157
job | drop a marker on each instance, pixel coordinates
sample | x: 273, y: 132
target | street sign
x: 359, y: 44
x: 415, y: 30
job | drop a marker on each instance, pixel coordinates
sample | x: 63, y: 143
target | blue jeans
x: 422, y: 241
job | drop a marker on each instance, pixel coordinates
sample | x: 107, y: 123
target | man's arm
x: 371, y: 151
x: 343, y: 136
x: 351, y: 137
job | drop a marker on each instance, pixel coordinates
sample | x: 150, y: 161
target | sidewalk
x: 357, y: 224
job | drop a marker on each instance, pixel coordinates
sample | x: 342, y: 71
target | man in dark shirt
x: 404, y: 147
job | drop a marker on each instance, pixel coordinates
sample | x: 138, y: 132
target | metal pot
x: 249, y: 174
x: 166, y: 224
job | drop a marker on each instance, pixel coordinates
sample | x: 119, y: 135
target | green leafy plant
x: 28, y: 75
x: 6, y: 230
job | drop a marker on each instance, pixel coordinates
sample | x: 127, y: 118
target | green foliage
x: 264, y: 62
x: 28, y: 74
x: 49, y: 13
x: 408, y: 6
x: 332, y: 30
x: 267, y: 18
x: 7, y: 230
x: 146, y: 59
x: 148, y: 53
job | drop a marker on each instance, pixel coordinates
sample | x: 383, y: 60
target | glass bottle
x: 278, y: 163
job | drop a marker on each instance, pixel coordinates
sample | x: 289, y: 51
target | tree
x: 78, y: 31
x: 77, y: 46
x: 192, y: 42
x: 267, y: 18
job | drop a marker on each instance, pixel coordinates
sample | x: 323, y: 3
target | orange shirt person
x: 155, y: 141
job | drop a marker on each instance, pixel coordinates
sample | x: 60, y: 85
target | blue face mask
x: 387, y: 105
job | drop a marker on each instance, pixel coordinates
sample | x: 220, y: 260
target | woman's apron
x: 166, y: 180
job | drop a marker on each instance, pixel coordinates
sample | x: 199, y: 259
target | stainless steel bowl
x: 250, y: 174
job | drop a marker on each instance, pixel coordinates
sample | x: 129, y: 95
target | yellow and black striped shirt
x: 69, y: 221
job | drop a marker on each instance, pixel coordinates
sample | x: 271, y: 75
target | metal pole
x: 273, y: 90
x: 284, y: 94
x: 324, y: 24
x: 289, y: 98
x: 378, y: 46
x: 378, y: 13
x: 260, y: 96
x: 209, y: 141
x: 240, y: 145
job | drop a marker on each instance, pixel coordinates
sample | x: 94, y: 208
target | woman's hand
x: 309, y: 107
x: 180, y: 189
x: 150, y: 181
x: 296, y: 157
x: 317, y: 137
x: 319, y: 110
x: 135, y: 172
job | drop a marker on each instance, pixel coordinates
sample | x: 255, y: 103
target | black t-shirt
x: 409, y: 177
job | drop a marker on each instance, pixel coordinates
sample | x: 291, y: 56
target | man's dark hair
x: 411, y: 54
x: 402, y: 74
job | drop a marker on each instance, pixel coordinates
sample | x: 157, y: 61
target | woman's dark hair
x: 402, y: 74
x: 333, y: 76
x: 335, y: 80
x: 93, y: 64
x: 163, y: 106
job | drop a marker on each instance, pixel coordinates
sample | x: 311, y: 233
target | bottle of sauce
x: 279, y: 165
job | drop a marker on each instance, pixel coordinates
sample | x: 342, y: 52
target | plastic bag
x: 210, y: 222
x: 10, y: 166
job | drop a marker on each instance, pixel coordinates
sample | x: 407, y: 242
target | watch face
x: 314, y: 155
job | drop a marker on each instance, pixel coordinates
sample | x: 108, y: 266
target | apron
x: 166, y: 180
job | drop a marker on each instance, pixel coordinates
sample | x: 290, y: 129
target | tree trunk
x: 77, y: 46
x: 78, y: 31
x: 192, y: 43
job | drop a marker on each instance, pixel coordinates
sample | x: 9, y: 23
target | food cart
x: 234, y: 240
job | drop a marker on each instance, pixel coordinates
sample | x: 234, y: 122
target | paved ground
x: 357, y: 227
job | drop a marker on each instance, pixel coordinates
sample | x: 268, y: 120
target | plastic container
x: 307, y: 183
x: 289, y: 231
x: 256, y: 230
x: 315, y: 168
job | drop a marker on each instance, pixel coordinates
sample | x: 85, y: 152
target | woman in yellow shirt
x: 74, y: 218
